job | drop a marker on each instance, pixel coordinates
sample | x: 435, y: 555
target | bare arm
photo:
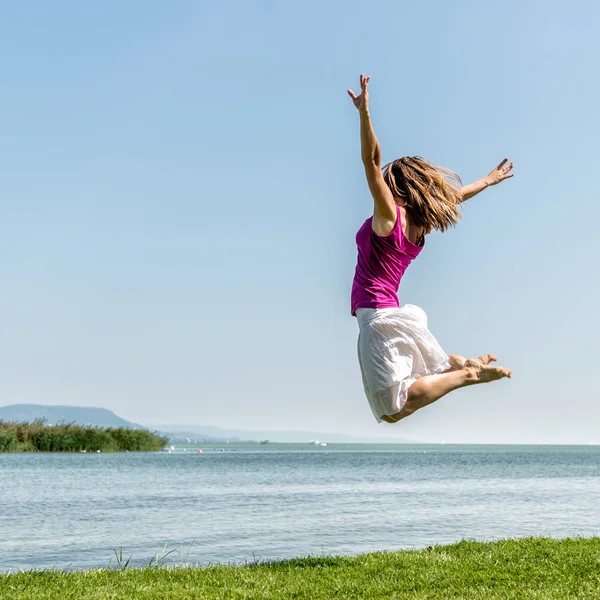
x: 384, y: 213
x: 370, y: 150
x: 500, y: 173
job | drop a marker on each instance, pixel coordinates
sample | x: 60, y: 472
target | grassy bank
x: 525, y: 569
x: 66, y: 437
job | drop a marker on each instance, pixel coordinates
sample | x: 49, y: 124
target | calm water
x: 73, y: 510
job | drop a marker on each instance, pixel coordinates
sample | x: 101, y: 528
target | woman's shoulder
x: 384, y: 226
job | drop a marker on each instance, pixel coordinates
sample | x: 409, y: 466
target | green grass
x: 532, y: 568
x: 69, y: 437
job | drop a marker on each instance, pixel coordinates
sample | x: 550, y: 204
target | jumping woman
x: 403, y: 366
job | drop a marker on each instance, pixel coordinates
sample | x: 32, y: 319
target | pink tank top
x: 382, y: 260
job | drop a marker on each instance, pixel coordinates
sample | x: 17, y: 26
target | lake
x: 73, y: 511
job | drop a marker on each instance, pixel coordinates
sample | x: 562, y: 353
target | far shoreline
x: 257, y: 447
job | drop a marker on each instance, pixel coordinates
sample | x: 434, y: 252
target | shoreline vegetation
x: 526, y: 568
x: 69, y: 437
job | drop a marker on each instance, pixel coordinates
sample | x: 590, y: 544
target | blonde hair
x: 430, y: 197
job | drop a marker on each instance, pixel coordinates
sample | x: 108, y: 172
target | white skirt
x: 395, y: 348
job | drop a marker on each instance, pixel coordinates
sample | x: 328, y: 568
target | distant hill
x: 82, y: 415
x: 209, y: 433
x: 101, y: 417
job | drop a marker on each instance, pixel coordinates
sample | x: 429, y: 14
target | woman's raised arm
x: 384, y: 213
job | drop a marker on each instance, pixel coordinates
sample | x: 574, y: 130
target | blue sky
x: 181, y: 185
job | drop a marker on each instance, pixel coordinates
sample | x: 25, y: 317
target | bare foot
x: 486, y: 359
x: 486, y: 373
x: 458, y: 362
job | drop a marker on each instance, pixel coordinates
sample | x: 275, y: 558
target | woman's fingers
x: 502, y: 163
x: 506, y: 171
x: 364, y: 82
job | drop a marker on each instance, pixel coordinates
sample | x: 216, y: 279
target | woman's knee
x: 420, y: 390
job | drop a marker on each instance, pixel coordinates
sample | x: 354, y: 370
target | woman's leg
x: 430, y: 388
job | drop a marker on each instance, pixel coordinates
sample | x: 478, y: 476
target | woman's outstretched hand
x: 362, y: 100
x: 500, y: 173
